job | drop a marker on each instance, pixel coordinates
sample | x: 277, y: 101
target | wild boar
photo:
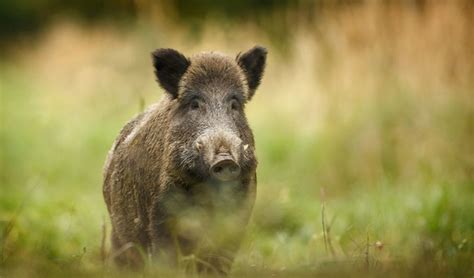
x: 180, y: 179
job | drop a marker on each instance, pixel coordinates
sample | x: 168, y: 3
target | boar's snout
x: 221, y: 152
x: 224, y: 168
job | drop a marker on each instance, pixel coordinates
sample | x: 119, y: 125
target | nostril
x: 225, y: 170
x: 234, y: 169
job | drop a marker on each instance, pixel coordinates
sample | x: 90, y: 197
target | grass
x: 385, y: 135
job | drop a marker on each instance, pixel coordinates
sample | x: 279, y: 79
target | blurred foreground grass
x: 371, y: 112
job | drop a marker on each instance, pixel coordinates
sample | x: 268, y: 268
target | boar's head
x: 208, y: 137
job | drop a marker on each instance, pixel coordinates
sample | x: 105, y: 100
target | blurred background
x: 364, y: 126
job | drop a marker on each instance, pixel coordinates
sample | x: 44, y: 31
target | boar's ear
x: 170, y: 65
x: 253, y: 64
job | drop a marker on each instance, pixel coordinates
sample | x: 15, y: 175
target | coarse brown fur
x: 159, y: 193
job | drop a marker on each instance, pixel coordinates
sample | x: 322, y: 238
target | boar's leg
x: 164, y: 248
x: 126, y: 255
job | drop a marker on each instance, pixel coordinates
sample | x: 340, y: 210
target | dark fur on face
x: 164, y: 170
x: 210, y: 107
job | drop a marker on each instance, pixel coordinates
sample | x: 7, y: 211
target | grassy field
x: 364, y: 125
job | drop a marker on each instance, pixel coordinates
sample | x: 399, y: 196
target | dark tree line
x: 26, y: 17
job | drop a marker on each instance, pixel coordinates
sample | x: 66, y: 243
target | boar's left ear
x: 253, y: 64
x: 170, y: 65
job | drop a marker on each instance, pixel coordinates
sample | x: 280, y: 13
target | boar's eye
x: 194, y: 105
x: 234, y: 104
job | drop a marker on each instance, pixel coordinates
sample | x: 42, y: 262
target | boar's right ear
x: 170, y: 65
x: 253, y: 64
